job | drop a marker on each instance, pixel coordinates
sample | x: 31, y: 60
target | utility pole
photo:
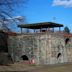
x: 53, y: 19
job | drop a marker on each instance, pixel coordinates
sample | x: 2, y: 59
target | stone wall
x: 69, y: 49
x: 49, y: 45
x: 20, y: 45
x: 44, y: 48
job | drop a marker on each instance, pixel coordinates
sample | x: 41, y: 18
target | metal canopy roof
x: 40, y: 25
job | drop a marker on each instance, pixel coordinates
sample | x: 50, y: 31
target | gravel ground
x: 32, y: 68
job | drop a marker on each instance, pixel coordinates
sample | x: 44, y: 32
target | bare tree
x: 7, y: 7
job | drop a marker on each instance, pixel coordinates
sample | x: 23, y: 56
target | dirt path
x: 58, y: 68
x: 31, y: 68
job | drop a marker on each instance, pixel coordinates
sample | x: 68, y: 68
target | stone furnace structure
x: 41, y: 47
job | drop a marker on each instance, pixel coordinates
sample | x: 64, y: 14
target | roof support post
x: 48, y: 29
x: 21, y: 30
x: 59, y: 29
x: 41, y: 29
x: 34, y: 30
x: 53, y: 29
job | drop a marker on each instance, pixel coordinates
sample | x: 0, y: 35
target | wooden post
x: 40, y: 29
x: 21, y: 30
x: 48, y: 29
x: 59, y: 29
x: 53, y: 29
x: 34, y: 30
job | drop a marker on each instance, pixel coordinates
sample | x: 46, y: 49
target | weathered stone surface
x: 44, y: 48
x: 5, y: 59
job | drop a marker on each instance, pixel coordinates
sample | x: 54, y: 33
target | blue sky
x: 45, y: 10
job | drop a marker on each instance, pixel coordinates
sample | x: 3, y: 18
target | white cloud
x: 66, y: 3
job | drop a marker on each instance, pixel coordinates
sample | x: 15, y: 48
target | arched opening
x: 24, y: 57
x: 59, y: 54
x: 67, y: 40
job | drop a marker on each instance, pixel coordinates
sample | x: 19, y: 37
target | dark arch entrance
x: 59, y: 54
x: 24, y: 57
x: 67, y: 40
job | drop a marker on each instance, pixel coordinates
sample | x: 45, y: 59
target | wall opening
x: 58, y: 55
x: 24, y: 57
x: 67, y: 40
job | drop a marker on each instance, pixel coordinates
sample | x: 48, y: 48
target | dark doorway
x: 67, y: 40
x: 24, y: 57
x: 59, y: 54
